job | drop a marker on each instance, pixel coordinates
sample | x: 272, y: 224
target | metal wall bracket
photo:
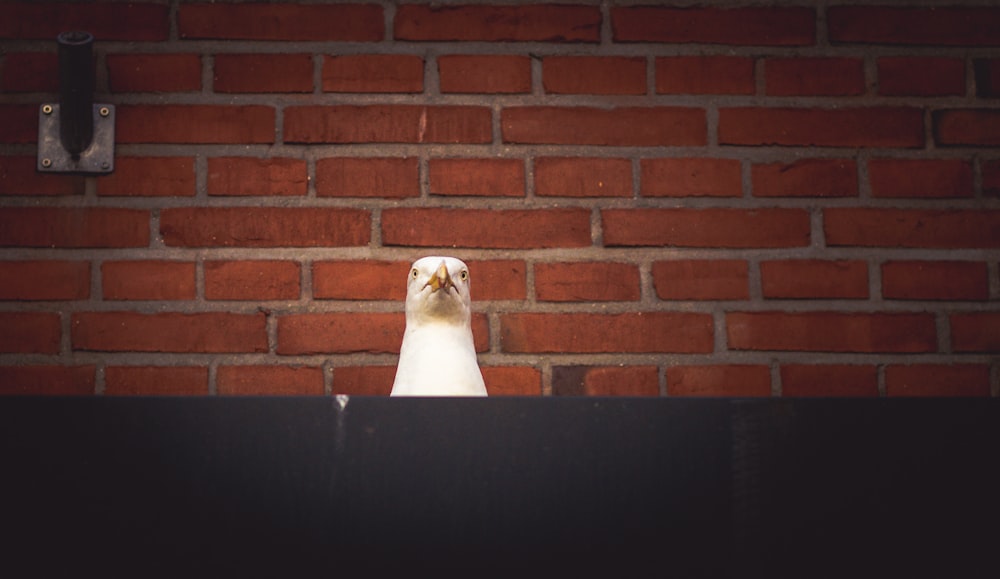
x: 98, y: 158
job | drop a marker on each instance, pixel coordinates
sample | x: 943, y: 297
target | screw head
x: 47, y: 109
x: 46, y: 163
x: 104, y: 111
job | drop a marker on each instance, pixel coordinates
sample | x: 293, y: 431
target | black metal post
x: 76, y: 91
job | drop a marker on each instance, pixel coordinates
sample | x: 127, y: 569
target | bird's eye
x: 464, y: 276
x: 414, y: 273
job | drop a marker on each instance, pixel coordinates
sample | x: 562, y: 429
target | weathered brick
x: 130, y: 73
x: 841, y: 127
x: 638, y: 332
x: 806, y: 178
x: 488, y: 74
x: 242, y: 176
x: 388, y: 124
x: 937, y: 380
x: 724, y: 380
x: 148, y: 280
x: 608, y: 75
x: 373, y: 73
x: 975, y: 332
x: 605, y: 381
x: 705, y: 75
x: 360, y: 280
x: 195, y: 124
x: 73, y: 227
x: 47, y: 380
x: 48, y: 280
x: 917, y: 228
x: 363, y: 380
x: 210, y: 332
x: 935, y: 280
x: 156, y: 380
x: 512, y: 380
x: 814, y: 278
x: 967, y: 127
x: 517, y: 23
x: 139, y: 21
x: 716, y: 227
x: 260, y: 73
x: 987, y: 74
x: 586, y: 282
x: 282, y: 22
x: 820, y: 76
x: 149, y: 177
x: 991, y: 178
x: 828, y: 380
x: 501, y: 279
x: 252, y: 280
x: 19, y: 177
x: 486, y: 228
x: 832, y: 332
x: 345, y: 333
x: 926, y: 178
x: 750, y: 26
x: 269, y: 380
x: 583, y: 177
x: 30, y: 72
x: 701, y: 279
x: 922, y: 76
x: 477, y: 177
x: 948, y: 26
x: 19, y: 122
x: 30, y: 332
x: 687, y: 177
x: 390, y: 177
x: 264, y: 226
x: 624, y: 126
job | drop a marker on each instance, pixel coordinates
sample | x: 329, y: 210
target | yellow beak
x: 440, y: 279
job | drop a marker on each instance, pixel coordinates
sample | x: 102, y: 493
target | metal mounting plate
x: 98, y: 159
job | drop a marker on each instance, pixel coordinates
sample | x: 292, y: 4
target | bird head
x: 438, y: 290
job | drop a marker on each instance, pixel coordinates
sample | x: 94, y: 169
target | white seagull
x: 438, y: 356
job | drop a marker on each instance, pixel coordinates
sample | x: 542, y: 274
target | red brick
x: 918, y: 228
x: 512, y: 380
x: 19, y: 122
x: 150, y: 177
x: 705, y: 75
x: 390, y: 177
x: 30, y: 72
x: 935, y: 280
x: 832, y: 332
x: 691, y: 178
x: 210, y: 332
x: 259, y: 73
x: 360, y: 280
x: 47, y: 380
x: 926, y: 178
x: 975, y: 332
x: 829, y: 380
x: 605, y: 381
x: 282, y: 22
x: 195, y: 124
x: 515, y: 23
x: 948, y: 26
x: 625, y: 126
x: 987, y: 74
x: 129, y: 73
x: 749, y: 26
x: 937, y: 380
x: 741, y: 380
x: 242, y: 176
x: 619, y: 75
x: 814, y: 278
x: 971, y: 127
x: 264, y: 227
x: 46, y: 20
x: 701, y: 279
x: 489, y: 74
x: 806, y: 178
x: 487, y: 228
x: 44, y: 280
x: 345, y: 333
x: 477, y: 177
x: 639, y: 332
x: 252, y: 280
x: 921, y: 76
x: 502, y: 279
x: 722, y: 227
x: 263, y: 380
x: 363, y: 380
x: 388, y: 124
x: 586, y: 282
x: 148, y: 280
x: 74, y: 227
x: 991, y: 178
x: 841, y: 127
x: 30, y: 332
x: 156, y: 380
x: 814, y: 76
x: 583, y: 177
x: 19, y: 176
x: 374, y: 73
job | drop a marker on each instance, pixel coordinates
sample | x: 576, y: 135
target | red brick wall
x: 727, y: 199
